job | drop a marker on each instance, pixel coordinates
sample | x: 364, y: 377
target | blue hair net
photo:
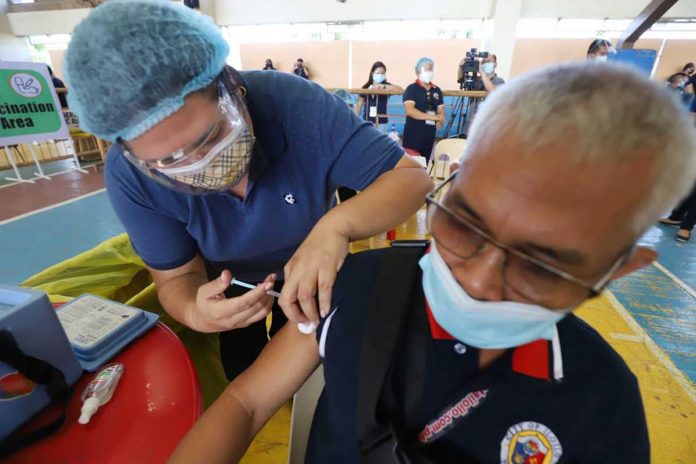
x: 130, y: 64
x: 423, y: 61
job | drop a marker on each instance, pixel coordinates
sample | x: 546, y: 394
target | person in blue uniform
x: 218, y: 174
x: 425, y: 110
x: 372, y: 108
x: 490, y: 363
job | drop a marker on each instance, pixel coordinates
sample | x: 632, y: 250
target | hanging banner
x: 29, y: 107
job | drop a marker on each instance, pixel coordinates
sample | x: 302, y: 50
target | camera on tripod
x: 470, y: 69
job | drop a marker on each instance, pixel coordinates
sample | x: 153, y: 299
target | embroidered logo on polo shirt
x: 289, y: 198
x: 451, y: 415
x: 530, y: 443
x: 436, y: 96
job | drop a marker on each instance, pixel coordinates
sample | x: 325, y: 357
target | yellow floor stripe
x: 669, y: 408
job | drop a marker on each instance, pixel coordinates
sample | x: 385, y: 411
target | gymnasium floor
x: 649, y: 317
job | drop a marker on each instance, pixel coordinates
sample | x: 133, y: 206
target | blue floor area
x: 678, y: 257
x: 664, y: 309
x: 33, y: 243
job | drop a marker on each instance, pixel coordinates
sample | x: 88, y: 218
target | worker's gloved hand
x: 311, y: 272
x: 216, y: 313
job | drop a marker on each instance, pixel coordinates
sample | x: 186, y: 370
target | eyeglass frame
x: 594, y: 289
x: 224, y: 90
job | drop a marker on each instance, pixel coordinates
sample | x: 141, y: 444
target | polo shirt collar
x: 423, y: 86
x: 539, y: 359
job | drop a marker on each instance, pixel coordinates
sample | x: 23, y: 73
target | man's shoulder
x: 412, y: 87
x: 587, y: 356
x: 360, y: 273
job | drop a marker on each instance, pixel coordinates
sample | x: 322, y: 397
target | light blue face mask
x: 483, y: 324
x: 378, y: 78
x: 488, y: 67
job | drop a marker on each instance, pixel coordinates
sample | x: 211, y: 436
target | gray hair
x: 603, y: 113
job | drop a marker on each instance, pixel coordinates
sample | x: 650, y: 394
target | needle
x: 246, y: 285
x: 305, y: 328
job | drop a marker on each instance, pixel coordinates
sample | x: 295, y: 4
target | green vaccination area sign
x: 29, y: 107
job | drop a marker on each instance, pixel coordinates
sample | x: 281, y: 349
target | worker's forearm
x: 419, y: 115
x: 221, y: 436
x: 388, y: 202
x: 178, y: 296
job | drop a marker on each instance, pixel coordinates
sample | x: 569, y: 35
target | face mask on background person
x: 483, y: 324
x: 601, y: 58
x: 378, y: 78
x: 488, y: 67
x: 426, y: 76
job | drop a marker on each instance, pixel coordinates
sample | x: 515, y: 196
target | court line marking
x: 676, y: 279
x: 47, y: 175
x: 626, y: 337
x: 48, y: 208
x: 661, y: 356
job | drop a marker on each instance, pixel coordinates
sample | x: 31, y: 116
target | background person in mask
x: 599, y: 50
x: 425, y: 110
x: 216, y: 173
x: 369, y: 106
x: 504, y: 372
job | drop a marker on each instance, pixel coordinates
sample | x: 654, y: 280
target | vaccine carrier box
x: 99, y: 328
x: 29, y: 318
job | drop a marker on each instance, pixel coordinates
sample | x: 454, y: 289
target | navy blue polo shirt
x: 375, y: 101
x: 419, y: 135
x: 572, y: 399
x: 308, y: 143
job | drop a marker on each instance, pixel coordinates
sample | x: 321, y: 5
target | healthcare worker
x: 218, y: 174
x: 425, y: 110
x: 374, y: 107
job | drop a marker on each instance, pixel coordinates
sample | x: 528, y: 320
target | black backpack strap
x: 40, y: 372
x: 390, y: 300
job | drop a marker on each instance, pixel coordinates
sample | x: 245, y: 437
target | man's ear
x: 640, y: 258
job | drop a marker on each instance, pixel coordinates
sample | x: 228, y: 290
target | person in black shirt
x: 301, y: 69
x: 490, y: 364
x: 370, y: 106
x: 58, y: 84
x: 269, y: 65
x: 425, y: 110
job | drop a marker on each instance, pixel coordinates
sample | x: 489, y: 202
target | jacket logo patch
x: 451, y: 415
x: 530, y: 443
x: 289, y: 198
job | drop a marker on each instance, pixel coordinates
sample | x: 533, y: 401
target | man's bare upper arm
x: 277, y: 374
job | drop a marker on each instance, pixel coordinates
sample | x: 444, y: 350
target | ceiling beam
x: 649, y: 16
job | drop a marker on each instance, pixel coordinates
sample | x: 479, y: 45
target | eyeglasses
x: 229, y: 120
x: 529, y: 278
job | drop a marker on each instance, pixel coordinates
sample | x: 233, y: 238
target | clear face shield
x: 217, y: 161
